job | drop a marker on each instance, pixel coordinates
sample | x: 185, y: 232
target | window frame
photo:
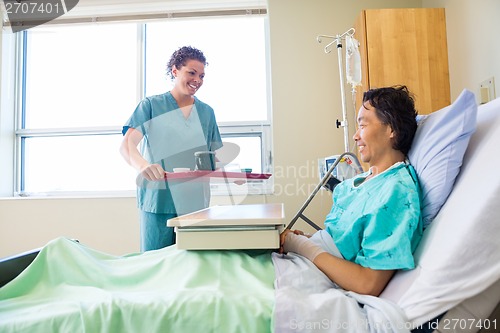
x: 252, y: 187
x: 19, y: 41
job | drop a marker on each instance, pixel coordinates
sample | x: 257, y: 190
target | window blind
x: 88, y: 11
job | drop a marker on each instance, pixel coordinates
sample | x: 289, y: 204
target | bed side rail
x: 12, y: 266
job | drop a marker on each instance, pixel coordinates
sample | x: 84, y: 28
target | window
x: 75, y: 90
x: 78, y: 84
x: 236, y: 73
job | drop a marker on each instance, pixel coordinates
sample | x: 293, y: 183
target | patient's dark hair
x: 395, y: 107
x: 182, y: 55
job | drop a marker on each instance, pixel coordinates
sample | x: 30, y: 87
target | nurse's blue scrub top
x: 171, y: 141
x: 378, y: 223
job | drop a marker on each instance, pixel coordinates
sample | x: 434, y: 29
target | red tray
x: 215, y: 174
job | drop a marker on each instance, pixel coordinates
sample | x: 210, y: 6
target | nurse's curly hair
x: 395, y: 106
x: 181, y: 56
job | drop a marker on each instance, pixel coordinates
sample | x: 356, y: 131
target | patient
x: 375, y: 223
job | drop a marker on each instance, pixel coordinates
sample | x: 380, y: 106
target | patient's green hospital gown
x: 378, y: 223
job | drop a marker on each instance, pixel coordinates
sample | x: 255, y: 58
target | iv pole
x: 325, y: 180
x: 337, y: 39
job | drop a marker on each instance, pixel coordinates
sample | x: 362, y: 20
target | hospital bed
x: 455, y: 287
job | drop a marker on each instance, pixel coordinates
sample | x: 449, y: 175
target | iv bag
x: 353, y: 61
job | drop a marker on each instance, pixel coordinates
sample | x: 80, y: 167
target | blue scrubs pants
x: 154, y: 231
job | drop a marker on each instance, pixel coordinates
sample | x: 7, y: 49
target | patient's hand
x: 286, y: 232
x: 300, y: 232
x: 282, y: 239
x: 294, y: 242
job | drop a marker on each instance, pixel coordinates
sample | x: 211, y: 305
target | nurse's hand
x: 153, y: 172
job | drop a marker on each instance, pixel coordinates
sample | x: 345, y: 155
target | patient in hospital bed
x: 375, y: 223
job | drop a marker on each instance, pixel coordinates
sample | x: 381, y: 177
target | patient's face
x: 372, y: 137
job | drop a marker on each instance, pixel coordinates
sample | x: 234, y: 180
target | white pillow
x: 438, y: 149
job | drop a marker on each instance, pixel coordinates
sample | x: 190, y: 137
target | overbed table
x: 229, y: 227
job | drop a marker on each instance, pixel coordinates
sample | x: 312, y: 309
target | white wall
x: 107, y: 224
x: 306, y: 103
x: 473, y: 42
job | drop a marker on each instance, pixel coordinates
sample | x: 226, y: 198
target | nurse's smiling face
x: 373, y: 138
x: 189, y: 78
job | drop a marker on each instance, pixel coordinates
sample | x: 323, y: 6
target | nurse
x: 170, y: 127
x: 375, y: 223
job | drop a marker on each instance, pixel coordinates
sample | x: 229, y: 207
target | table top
x: 232, y: 215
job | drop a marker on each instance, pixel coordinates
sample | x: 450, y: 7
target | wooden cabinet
x: 405, y: 46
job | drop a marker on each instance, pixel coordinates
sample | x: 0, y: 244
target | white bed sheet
x: 306, y: 300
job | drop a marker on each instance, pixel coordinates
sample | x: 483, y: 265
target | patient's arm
x: 351, y: 276
x: 346, y: 274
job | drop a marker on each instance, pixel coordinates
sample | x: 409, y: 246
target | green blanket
x: 72, y: 288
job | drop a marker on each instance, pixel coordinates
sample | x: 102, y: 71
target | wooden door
x: 406, y: 46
